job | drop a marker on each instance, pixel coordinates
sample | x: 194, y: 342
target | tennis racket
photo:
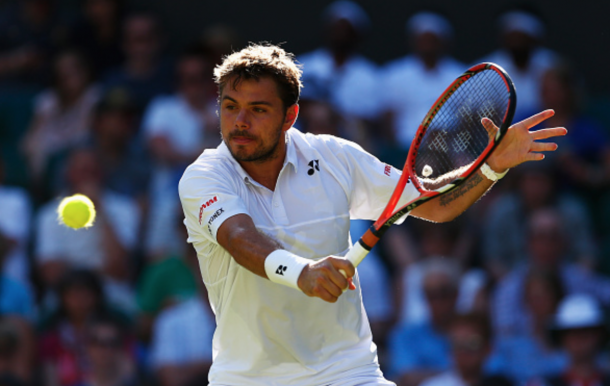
x: 450, y: 145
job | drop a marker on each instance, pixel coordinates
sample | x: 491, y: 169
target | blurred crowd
x: 511, y: 293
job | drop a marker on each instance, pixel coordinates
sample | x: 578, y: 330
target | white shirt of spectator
x: 410, y: 90
x: 445, y: 379
x: 267, y: 331
x: 183, y: 335
x: 15, y: 223
x: 172, y: 117
x: 354, y: 87
x: 83, y: 248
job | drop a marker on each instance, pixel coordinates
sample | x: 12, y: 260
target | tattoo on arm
x: 448, y: 198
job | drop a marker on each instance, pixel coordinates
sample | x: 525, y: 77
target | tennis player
x: 268, y: 212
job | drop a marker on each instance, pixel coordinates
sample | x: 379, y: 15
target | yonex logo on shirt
x: 214, y: 217
x: 280, y: 270
x: 314, y: 165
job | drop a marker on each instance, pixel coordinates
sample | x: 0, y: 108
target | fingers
x: 536, y: 119
x: 491, y: 128
x: 322, y: 279
x: 548, y: 133
x: 543, y: 146
x: 343, y: 264
x: 534, y: 157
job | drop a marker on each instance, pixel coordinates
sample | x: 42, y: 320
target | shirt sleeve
x: 208, y: 199
x: 373, y: 183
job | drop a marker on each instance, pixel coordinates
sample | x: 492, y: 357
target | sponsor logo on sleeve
x: 205, y: 205
x: 213, y: 218
x: 387, y: 170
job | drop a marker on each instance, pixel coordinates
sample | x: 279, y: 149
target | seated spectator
x: 64, y: 331
x: 15, y: 229
x: 125, y: 164
x: 17, y: 352
x: 377, y: 296
x: 529, y: 353
x: 421, y: 350
x: 471, y: 343
x: 505, y: 241
x: 145, y: 74
x: 15, y: 297
x: 106, y: 247
x: 346, y: 79
x: 410, y: 246
x: 29, y: 32
x: 580, y: 327
x: 413, y: 83
x: 546, y: 242
x: 98, y: 33
x: 522, y: 55
x: 181, y: 350
x: 177, y: 128
x: 62, y: 116
x: 167, y: 281
x: 110, y: 354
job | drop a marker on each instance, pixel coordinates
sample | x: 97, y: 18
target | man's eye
x: 259, y: 110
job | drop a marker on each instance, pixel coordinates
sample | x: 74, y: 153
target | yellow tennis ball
x: 76, y: 211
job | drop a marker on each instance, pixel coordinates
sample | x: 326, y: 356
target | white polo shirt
x: 269, y: 334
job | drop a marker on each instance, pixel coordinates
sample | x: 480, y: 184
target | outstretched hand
x: 324, y: 280
x: 520, y: 145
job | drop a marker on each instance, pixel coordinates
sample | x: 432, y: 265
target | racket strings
x: 455, y: 137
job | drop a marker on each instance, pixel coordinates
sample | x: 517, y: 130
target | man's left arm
x: 518, y: 146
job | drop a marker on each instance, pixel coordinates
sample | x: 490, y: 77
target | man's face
x: 469, y: 349
x: 441, y: 296
x: 253, y: 120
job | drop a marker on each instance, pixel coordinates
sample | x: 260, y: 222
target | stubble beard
x: 261, y: 153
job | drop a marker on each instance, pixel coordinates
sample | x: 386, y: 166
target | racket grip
x: 355, y: 255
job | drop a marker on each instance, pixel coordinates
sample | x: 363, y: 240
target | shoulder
x: 326, y: 146
x: 211, y: 164
x: 321, y: 141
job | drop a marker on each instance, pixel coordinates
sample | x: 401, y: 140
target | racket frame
x: 389, y: 216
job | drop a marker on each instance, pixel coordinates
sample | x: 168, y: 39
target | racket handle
x: 355, y: 255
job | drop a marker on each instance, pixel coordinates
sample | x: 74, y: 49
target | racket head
x: 451, y: 143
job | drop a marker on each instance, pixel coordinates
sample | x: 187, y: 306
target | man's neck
x: 266, y: 172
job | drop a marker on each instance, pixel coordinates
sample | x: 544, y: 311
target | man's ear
x: 292, y: 113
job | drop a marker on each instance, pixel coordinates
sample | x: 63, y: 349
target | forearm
x: 450, y: 205
x: 246, y: 244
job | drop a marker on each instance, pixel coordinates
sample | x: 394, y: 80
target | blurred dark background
x: 114, y: 98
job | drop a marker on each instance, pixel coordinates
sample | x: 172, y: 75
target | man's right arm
x: 250, y: 248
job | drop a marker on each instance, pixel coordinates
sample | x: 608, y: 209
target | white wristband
x: 284, y: 267
x: 489, y: 173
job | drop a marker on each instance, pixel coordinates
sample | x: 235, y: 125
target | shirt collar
x: 291, y: 156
